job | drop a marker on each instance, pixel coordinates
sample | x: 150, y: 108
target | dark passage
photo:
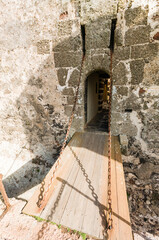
x: 97, y: 97
x: 99, y: 122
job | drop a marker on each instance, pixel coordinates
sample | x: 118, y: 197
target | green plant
x: 39, y: 219
x: 83, y: 235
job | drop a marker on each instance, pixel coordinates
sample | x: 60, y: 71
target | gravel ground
x: 17, y: 226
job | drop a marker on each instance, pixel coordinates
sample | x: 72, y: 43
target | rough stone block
x: 144, y: 51
x: 68, y: 110
x: 145, y: 170
x: 124, y: 144
x: 66, y: 27
x: 79, y: 110
x: 35, y: 82
x: 98, y: 34
x: 151, y: 74
x: 67, y: 59
x: 100, y: 61
x: 70, y: 100
x: 137, y: 71
x: 137, y: 35
x: 119, y: 74
x: 122, y: 91
x: 136, y: 16
x: 74, y: 78
x: 62, y: 75
x: 128, y: 129
x: 118, y: 37
x: 68, y: 91
x: 132, y: 102
x: 98, y: 39
x: 43, y: 47
x: 122, y: 53
x: 123, y: 140
x: 68, y: 44
x: 77, y: 124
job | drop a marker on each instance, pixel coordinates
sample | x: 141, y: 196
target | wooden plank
x: 61, y: 195
x: 93, y: 210
x: 113, y: 234
x: 91, y: 216
x: 104, y: 188
x: 68, y: 187
x: 74, y: 208
x: 72, y: 203
x: 123, y: 210
x: 66, y: 159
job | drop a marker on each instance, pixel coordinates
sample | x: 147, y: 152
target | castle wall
x: 135, y: 76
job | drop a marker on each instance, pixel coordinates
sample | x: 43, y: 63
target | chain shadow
x: 101, y: 207
x: 45, y: 225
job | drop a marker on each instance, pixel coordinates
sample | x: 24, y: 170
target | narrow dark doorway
x: 97, y: 89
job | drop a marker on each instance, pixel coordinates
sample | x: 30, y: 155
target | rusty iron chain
x: 109, y: 220
x: 43, y: 192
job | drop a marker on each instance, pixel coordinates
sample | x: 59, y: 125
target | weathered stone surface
x: 136, y: 16
x: 151, y: 74
x: 127, y: 130
x: 144, y: 51
x: 74, y: 78
x: 101, y: 61
x: 68, y: 91
x: 67, y: 59
x: 122, y: 53
x: 119, y: 37
x: 43, y: 47
x: 123, y: 91
x: 68, y: 44
x: 62, y: 75
x: 131, y: 103
x: 120, y: 74
x: 137, y: 35
x: 137, y: 71
x: 35, y: 82
x: 98, y: 37
x: 70, y: 100
x: 67, y: 27
x: 145, y: 170
x: 124, y: 144
x: 68, y: 110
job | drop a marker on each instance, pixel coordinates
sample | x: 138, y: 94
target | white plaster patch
x: 114, y: 90
x: 138, y: 3
x: 153, y: 91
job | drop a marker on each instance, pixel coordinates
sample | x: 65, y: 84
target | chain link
x: 43, y: 192
x: 109, y: 220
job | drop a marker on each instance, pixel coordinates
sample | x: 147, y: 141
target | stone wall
x: 135, y: 75
x: 41, y: 53
x: 135, y: 112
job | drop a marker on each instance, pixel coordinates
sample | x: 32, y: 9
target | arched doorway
x: 97, y: 88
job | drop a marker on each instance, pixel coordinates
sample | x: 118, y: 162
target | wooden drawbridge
x: 78, y: 196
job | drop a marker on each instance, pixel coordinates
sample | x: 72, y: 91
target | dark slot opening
x: 83, y: 32
x: 113, y: 26
x: 96, y: 87
x: 128, y: 110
